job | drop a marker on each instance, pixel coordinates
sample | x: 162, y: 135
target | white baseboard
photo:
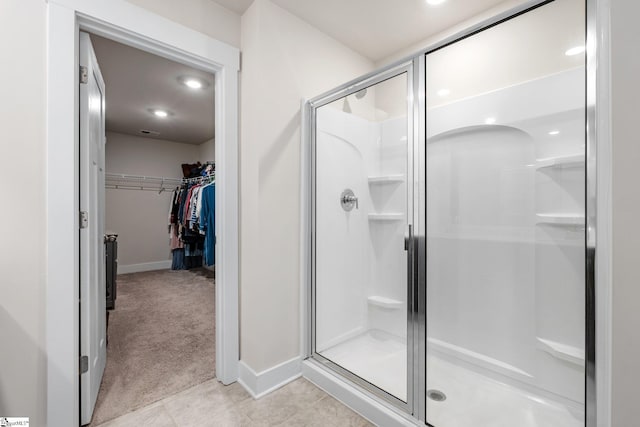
x: 146, y: 266
x: 379, y: 413
x: 263, y: 383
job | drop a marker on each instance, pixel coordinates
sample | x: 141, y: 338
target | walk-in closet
x: 159, y: 224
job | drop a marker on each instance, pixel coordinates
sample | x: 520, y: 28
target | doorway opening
x: 156, y: 209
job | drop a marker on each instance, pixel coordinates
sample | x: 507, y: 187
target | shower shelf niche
x: 386, y: 217
x: 570, y: 161
x: 561, y: 219
x: 384, y: 302
x: 386, y: 179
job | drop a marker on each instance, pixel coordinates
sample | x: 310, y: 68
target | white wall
x: 204, y: 16
x: 284, y: 60
x: 22, y: 169
x: 625, y: 93
x: 207, y: 151
x: 140, y: 217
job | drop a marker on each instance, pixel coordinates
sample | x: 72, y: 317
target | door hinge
x: 84, y: 364
x: 84, y: 75
x: 84, y: 219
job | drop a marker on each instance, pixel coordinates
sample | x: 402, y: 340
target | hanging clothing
x: 208, y: 222
x: 193, y: 248
x: 185, y: 213
x: 181, y: 203
x: 177, y: 260
x: 192, y: 224
x: 193, y: 217
x: 174, y: 239
x: 175, y: 242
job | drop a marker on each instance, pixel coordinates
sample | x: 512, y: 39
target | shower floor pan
x: 377, y: 357
x: 471, y: 399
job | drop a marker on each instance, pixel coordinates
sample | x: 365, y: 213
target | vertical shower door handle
x: 408, y: 234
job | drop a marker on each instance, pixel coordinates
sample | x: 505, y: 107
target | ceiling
x: 137, y: 82
x: 238, y: 6
x: 377, y: 28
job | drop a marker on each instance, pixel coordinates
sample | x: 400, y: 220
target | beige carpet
x: 161, y: 339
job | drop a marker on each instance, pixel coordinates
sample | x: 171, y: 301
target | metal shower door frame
x: 405, y: 67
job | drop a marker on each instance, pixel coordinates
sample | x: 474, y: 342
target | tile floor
x: 299, y: 403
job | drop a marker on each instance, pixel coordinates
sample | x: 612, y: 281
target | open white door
x: 93, y: 343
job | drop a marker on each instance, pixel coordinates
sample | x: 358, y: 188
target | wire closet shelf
x: 150, y: 183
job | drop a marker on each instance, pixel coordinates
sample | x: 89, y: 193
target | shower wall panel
x: 342, y: 238
x: 503, y: 284
x: 359, y: 253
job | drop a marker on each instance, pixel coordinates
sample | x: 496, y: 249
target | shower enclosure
x: 448, y: 243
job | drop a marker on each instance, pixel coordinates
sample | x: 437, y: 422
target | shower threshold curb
x: 371, y: 408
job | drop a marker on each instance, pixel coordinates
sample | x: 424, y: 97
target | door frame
x: 139, y: 28
x: 598, y: 216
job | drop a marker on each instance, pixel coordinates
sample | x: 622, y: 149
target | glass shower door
x: 361, y: 213
x: 505, y: 224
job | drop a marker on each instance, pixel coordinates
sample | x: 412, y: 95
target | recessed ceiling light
x: 443, y: 92
x: 435, y: 2
x: 554, y: 132
x: 490, y: 120
x: 160, y: 113
x: 576, y: 50
x: 193, y: 82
